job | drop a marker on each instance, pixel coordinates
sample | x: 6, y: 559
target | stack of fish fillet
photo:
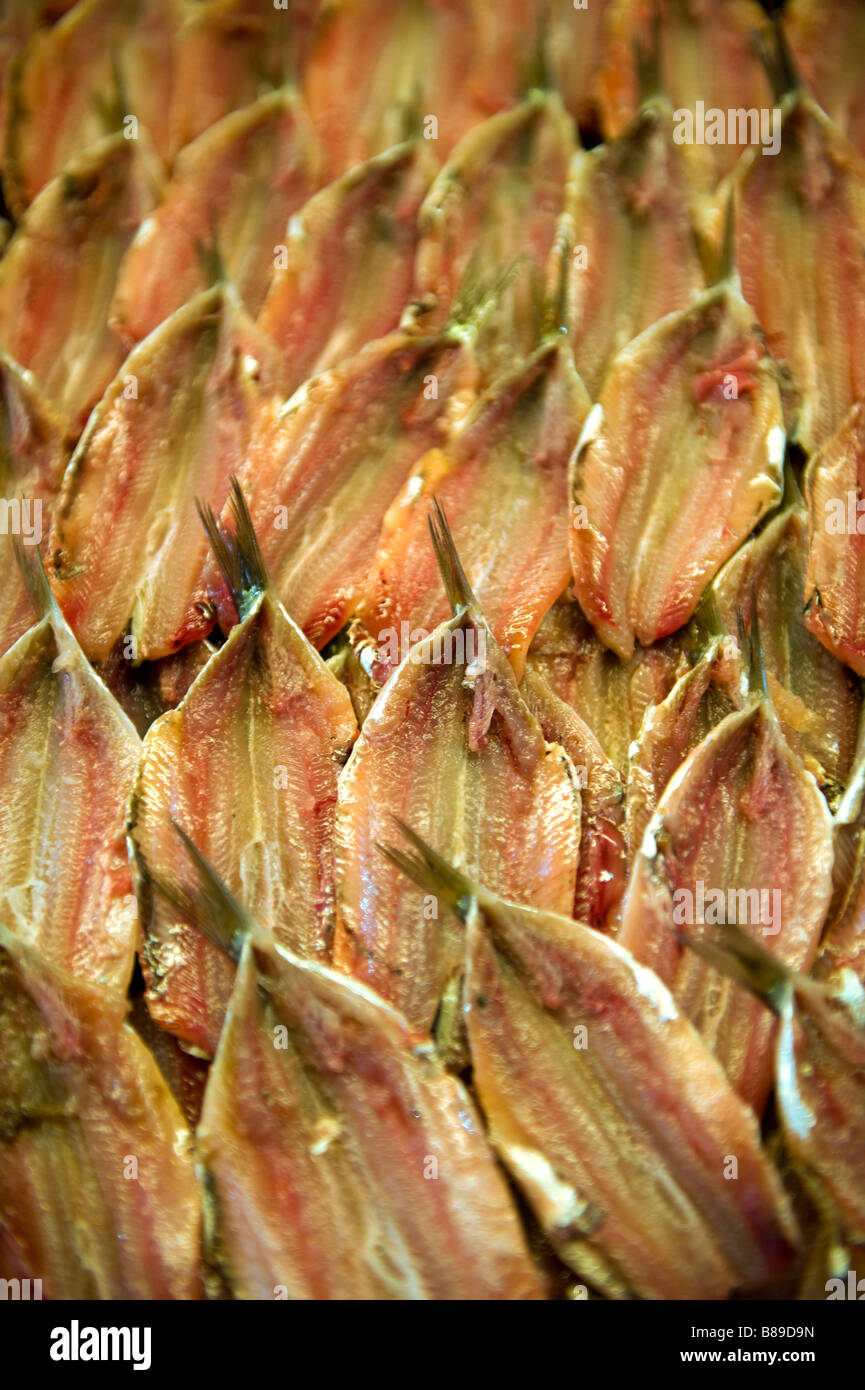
x: 432, y: 618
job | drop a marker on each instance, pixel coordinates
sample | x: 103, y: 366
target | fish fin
x: 35, y: 579
x: 453, y: 575
x: 736, y: 954
x: 430, y: 871
x: 238, y: 554
x: 210, y: 907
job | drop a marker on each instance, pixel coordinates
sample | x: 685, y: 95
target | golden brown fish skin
x: 603, y: 865
x: 173, y: 426
x: 593, y: 1086
x: 806, y: 206
x: 827, y: 39
x: 817, y: 701
x: 698, y: 702
x: 58, y: 274
x: 610, y: 695
x: 502, y: 479
x: 451, y: 746
x: 348, y: 267
x: 98, y: 1196
x: 678, y: 461
x: 33, y: 455
x: 322, y: 469
x: 65, y: 882
x: 247, y: 765
x: 707, y: 53
x: 632, y: 254
x: 741, y: 814
x: 324, y: 1120
x: 835, y: 580
x: 489, y: 228
x: 233, y: 189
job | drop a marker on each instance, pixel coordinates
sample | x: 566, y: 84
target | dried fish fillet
x: 98, y: 1194
x: 488, y: 230
x: 106, y: 66
x: 698, y: 702
x: 819, y: 1068
x: 322, y: 469
x: 817, y: 701
x: 451, y: 744
x: 606, y: 1107
x: 610, y: 695
x: 708, y: 57
x: 233, y: 189
x: 230, y: 52
x: 380, y: 71
x: 172, y: 427
x: 741, y: 834
x: 631, y: 249
x: 806, y: 207
x: 502, y: 479
x: 603, y: 864
x: 574, y: 42
x: 827, y: 40
x: 342, y: 1161
x: 347, y: 266
x: 33, y: 455
x: 835, y: 581
x: 58, y: 275
x: 678, y: 461
x: 65, y: 882
x: 247, y: 764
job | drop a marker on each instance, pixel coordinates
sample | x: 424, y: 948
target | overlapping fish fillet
x: 489, y: 226
x: 322, y: 469
x: 819, y: 1071
x: 33, y: 455
x: 382, y: 70
x: 698, y: 702
x: 230, y: 52
x: 98, y: 1196
x: 707, y: 51
x: 678, y: 461
x: 502, y: 479
x: 348, y: 266
x: 607, y: 1109
x: 247, y: 764
x: 173, y: 426
x: 58, y: 275
x: 827, y: 40
x: 341, y: 1160
x: 740, y: 834
x: 609, y: 695
x: 67, y: 759
x: 232, y: 189
x: 835, y: 580
x: 631, y: 249
x: 603, y: 864
x: 806, y: 206
x: 104, y: 61
x: 451, y: 745
x: 816, y: 699
x: 574, y: 43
